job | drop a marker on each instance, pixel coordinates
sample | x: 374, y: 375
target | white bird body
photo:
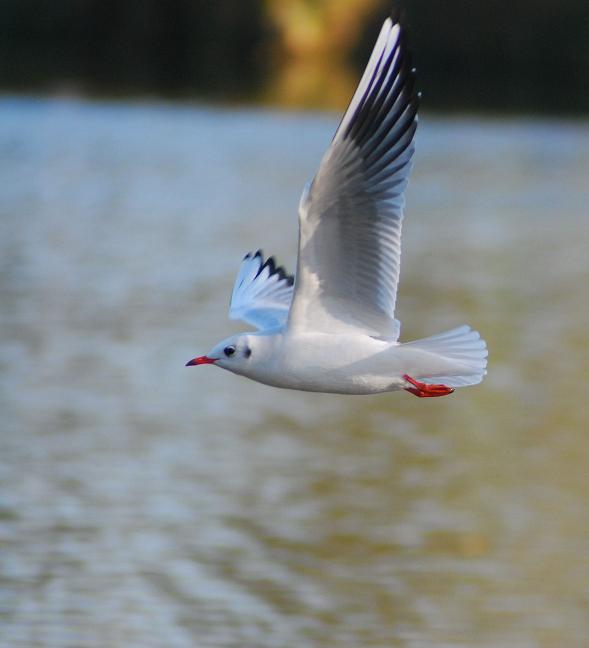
x: 347, y: 363
x: 333, y: 329
x: 320, y: 362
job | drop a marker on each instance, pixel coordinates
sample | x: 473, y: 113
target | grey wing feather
x: 350, y: 216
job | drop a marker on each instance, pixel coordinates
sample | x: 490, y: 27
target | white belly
x: 333, y: 364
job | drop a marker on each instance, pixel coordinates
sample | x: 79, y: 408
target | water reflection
x: 145, y: 504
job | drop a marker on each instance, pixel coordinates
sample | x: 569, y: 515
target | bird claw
x: 423, y: 390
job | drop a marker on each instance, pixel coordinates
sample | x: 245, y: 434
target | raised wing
x: 350, y: 216
x: 262, y: 292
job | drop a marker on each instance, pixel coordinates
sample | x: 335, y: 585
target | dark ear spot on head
x: 247, y: 353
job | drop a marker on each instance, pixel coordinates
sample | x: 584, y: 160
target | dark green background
x: 494, y: 55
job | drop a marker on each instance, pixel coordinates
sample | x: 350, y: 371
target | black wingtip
x: 395, y: 15
x: 398, y: 16
x: 254, y: 255
x: 390, y: 102
x: 273, y: 269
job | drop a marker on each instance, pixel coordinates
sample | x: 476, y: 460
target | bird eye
x: 229, y: 350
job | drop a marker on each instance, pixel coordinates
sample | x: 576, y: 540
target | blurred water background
x: 144, y: 504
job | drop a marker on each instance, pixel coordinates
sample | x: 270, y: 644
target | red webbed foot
x: 423, y: 390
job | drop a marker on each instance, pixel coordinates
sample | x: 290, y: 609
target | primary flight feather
x: 332, y: 328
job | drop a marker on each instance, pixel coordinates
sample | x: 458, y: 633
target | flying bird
x: 332, y: 327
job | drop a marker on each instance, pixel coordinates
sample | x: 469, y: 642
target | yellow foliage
x: 316, y: 38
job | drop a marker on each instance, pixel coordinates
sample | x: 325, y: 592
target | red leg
x: 422, y: 390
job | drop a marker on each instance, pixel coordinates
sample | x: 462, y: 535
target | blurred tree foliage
x: 162, y: 46
x: 528, y: 55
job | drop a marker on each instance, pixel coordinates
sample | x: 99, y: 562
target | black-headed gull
x: 332, y: 329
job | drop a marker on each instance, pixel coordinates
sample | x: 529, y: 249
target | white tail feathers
x: 463, y: 352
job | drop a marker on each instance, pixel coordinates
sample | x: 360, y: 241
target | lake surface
x: 144, y: 504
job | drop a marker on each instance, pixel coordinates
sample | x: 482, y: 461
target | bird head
x: 233, y: 353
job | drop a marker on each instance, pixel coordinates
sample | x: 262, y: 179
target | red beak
x: 201, y: 360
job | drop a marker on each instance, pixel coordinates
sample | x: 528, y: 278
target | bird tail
x: 459, y: 357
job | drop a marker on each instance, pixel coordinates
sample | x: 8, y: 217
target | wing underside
x: 262, y: 292
x: 350, y: 216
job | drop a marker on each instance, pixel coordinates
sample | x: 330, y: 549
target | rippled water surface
x: 146, y: 504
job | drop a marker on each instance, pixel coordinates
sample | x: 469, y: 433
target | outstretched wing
x: 350, y: 216
x: 262, y: 292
